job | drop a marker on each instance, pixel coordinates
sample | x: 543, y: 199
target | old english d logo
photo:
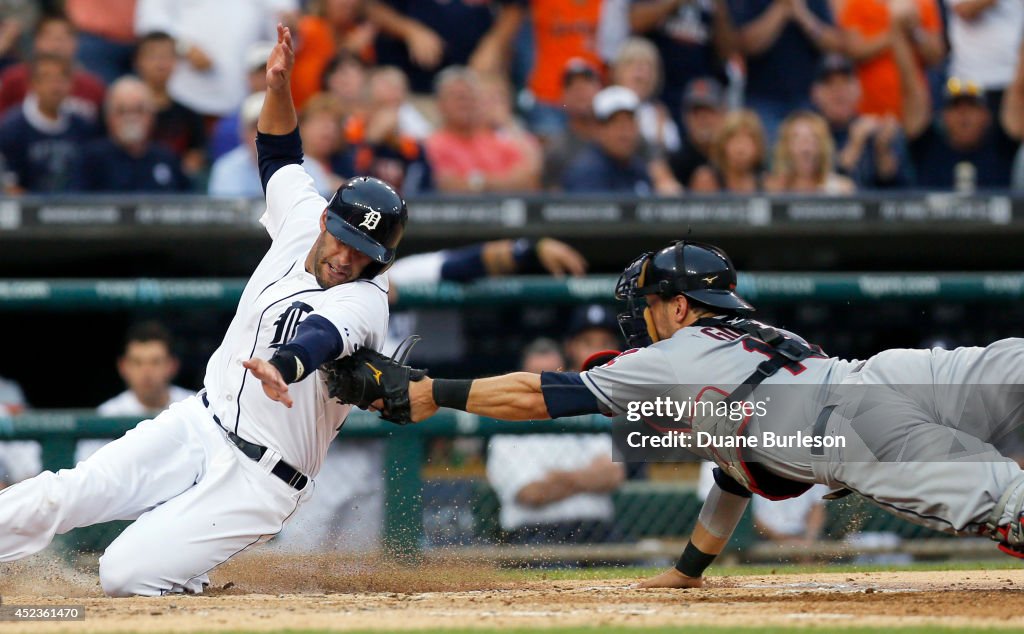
x: 376, y: 373
x: 370, y: 220
x: 289, y: 322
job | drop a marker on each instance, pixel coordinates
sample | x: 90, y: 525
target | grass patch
x: 632, y: 572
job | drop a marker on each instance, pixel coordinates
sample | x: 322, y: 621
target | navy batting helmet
x: 368, y: 215
x: 701, y: 272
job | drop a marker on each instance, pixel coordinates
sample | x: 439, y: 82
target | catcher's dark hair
x: 146, y: 331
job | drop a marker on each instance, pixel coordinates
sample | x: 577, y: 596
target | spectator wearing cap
x: 783, y: 42
x: 176, y: 126
x: 870, y: 26
x: 695, y: 38
x: 41, y: 139
x: 981, y: 33
x: 614, y: 162
x: 638, y: 67
x: 738, y: 157
x: 592, y: 328
x: 54, y: 36
x: 703, y: 113
x: 337, y: 25
x: 106, y: 35
x: 869, y: 149
x: 554, y: 488
x: 581, y: 81
x: 966, y: 146
x: 467, y: 156
x: 127, y: 160
x: 423, y: 37
x: 237, y: 173
x: 212, y: 39
x: 224, y: 137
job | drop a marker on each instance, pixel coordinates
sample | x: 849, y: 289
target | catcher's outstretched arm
x: 515, y: 396
x: 718, y: 518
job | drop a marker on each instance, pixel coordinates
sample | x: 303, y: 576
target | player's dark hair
x: 146, y: 331
x: 47, y: 58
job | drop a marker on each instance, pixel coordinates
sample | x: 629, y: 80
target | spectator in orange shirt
x: 870, y: 25
x: 106, y: 35
x: 465, y: 155
x: 563, y: 30
x: 345, y: 79
x: 339, y: 25
x: 55, y: 36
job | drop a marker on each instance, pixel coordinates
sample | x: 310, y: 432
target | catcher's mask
x: 701, y: 272
x: 368, y: 215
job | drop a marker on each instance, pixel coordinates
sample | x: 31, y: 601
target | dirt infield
x: 260, y: 593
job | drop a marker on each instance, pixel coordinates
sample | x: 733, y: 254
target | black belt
x: 291, y: 476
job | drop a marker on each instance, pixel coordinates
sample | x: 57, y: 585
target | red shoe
x: 1004, y: 545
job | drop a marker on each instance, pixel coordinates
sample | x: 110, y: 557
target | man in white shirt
x: 213, y: 37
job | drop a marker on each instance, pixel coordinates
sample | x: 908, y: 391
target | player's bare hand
x: 671, y: 578
x: 281, y: 60
x: 421, y: 399
x: 273, y: 385
x: 560, y: 259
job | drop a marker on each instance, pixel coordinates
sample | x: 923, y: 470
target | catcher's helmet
x: 698, y: 271
x: 368, y: 215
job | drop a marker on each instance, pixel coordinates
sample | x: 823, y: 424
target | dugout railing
x: 675, y: 507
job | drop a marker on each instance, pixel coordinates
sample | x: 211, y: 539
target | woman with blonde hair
x: 804, y: 158
x: 737, y: 157
x: 638, y: 67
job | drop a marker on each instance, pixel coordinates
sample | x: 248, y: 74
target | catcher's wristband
x: 453, y: 393
x: 693, y: 562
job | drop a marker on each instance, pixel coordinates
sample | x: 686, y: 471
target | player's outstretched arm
x: 718, y: 518
x: 515, y: 396
x: 274, y: 385
x: 278, y: 114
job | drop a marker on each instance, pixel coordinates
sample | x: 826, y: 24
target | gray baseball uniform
x: 916, y: 424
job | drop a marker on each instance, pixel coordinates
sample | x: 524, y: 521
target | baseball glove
x: 368, y: 376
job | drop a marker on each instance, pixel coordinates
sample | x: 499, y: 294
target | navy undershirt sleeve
x: 274, y: 151
x: 316, y: 342
x: 464, y: 265
x: 566, y: 395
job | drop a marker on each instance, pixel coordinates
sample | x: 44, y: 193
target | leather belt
x: 284, y: 471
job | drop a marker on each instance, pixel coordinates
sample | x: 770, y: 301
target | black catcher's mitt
x: 368, y: 376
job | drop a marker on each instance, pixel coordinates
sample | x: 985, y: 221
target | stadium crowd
x: 628, y: 96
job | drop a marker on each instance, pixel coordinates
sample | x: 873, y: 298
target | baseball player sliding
x: 224, y: 470
x: 916, y: 425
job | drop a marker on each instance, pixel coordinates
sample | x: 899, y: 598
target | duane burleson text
x: 701, y: 439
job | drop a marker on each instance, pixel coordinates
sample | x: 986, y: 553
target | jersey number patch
x: 289, y: 322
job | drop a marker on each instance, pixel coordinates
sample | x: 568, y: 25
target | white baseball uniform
x: 196, y: 498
